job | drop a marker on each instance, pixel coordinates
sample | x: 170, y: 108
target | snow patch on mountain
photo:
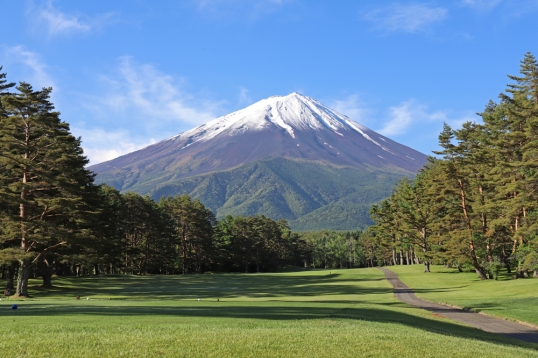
x: 291, y: 113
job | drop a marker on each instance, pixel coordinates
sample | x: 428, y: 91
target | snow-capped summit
x: 292, y: 126
x: 292, y: 113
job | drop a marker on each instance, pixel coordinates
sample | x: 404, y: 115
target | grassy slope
x: 315, y: 313
x: 507, y: 298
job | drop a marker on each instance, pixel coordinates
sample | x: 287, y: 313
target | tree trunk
x: 425, y: 250
x: 184, y: 247
x: 22, y: 281
x: 407, y: 257
x: 535, y: 273
x: 479, y: 272
x: 11, y: 276
x: 46, y: 274
x: 426, y: 266
x: 257, y: 261
x: 46, y: 268
x: 47, y: 278
x: 246, y: 268
x: 479, y: 269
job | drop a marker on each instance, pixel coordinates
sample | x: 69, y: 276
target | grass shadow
x: 260, y: 312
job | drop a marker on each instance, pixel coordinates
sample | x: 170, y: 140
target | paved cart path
x: 473, y: 319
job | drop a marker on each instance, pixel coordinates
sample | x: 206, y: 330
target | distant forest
x: 475, y: 206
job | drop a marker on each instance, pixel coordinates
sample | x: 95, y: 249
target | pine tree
x: 193, y: 227
x: 44, y: 179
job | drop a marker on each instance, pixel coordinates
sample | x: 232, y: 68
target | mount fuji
x: 285, y: 157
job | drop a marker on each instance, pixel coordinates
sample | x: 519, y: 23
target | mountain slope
x: 293, y: 126
x: 282, y: 188
x: 285, y: 157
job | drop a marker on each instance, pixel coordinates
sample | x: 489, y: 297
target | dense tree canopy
x: 45, y: 188
x: 478, y: 200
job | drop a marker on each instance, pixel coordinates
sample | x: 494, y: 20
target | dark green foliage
x: 341, y: 215
x: 482, y: 192
x: 310, y: 195
x: 333, y: 249
x: 46, y: 192
x: 192, y: 228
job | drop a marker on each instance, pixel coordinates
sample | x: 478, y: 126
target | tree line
x: 476, y: 204
x: 56, y: 221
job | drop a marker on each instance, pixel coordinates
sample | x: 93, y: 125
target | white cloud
x: 138, y: 106
x: 351, y: 107
x: 410, y: 18
x: 55, y: 22
x: 58, y: 22
x: 481, y: 5
x: 411, y: 114
x: 100, y: 145
x: 148, y: 95
x: 244, y: 99
x: 33, y: 70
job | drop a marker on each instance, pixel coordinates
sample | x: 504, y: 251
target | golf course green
x: 319, y: 313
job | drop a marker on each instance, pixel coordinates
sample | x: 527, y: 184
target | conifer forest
x: 474, y: 206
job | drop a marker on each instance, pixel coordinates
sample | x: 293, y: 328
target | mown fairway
x: 507, y: 298
x: 302, y: 314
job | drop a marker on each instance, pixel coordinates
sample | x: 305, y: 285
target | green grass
x: 343, y: 313
x: 507, y: 298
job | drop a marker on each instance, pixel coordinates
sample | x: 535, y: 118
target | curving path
x: 473, y: 319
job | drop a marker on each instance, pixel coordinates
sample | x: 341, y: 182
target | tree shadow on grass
x: 260, y: 312
x: 222, y: 286
x: 204, y: 286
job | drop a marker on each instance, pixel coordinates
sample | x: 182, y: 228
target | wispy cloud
x: 138, y: 106
x: 101, y: 145
x: 352, y: 107
x: 481, y: 5
x: 151, y: 95
x: 56, y: 22
x: 32, y: 68
x: 411, y: 114
x: 411, y: 18
x: 243, y: 98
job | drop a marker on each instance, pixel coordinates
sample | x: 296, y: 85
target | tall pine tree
x: 44, y: 179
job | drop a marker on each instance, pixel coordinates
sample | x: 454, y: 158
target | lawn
x: 322, y: 313
x: 507, y: 298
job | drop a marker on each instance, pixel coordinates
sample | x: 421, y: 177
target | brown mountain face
x: 293, y: 126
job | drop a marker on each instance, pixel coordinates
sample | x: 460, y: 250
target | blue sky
x: 128, y: 73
